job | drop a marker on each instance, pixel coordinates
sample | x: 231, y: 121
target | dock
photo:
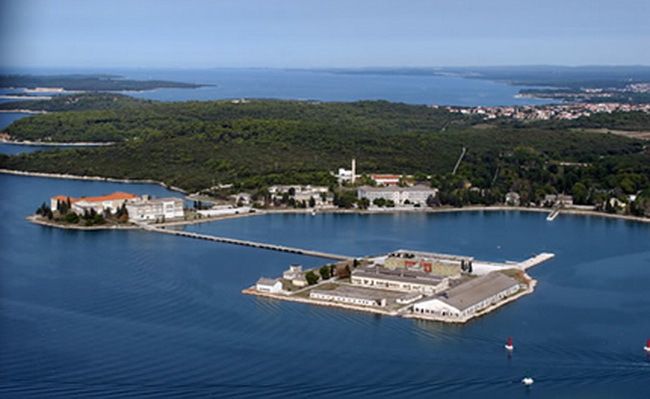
x: 551, y: 216
x: 535, y: 260
x: 246, y: 243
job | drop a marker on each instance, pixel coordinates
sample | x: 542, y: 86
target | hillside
x: 197, y: 144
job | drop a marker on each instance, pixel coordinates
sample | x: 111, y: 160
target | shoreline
x: 58, y: 143
x: 36, y: 220
x: 22, y: 111
x: 496, y: 208
x: 90, y: 178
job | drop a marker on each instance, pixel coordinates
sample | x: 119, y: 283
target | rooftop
x: 396, y: 188
x: 476, y: 290
x: 409, y: 276
x: 110, y: 197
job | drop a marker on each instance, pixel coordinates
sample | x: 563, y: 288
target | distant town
x: 569, y: 111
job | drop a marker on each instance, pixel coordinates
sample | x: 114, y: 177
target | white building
x: 301, y: 193
x: 159, y: 209
x: 272, y: 286
x: 469, y: 298
x: 347, y: 176
x: 398, y: 280
x: 513, y: 199
x: 224, y: 210
x: 296, y: 275
x: 399, y: 195
x: 349, y: 296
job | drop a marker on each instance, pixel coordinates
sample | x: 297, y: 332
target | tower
x: 354, y: 170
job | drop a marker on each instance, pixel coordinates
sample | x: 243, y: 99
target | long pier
x: 253, y: 244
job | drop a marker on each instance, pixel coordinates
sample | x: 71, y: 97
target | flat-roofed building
x: 470, y: 297
x: 349, y: 295
x: 158, y: 209
x: 398, y: 280
x: 430, y: 262
x: 399, y: 195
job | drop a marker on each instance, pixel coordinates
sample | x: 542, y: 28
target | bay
x: 132, y: 313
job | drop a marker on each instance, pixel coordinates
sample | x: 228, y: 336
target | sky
x: 324, y: 33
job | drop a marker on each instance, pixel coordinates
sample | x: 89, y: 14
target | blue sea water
x: 131, y: 313
x: 327, y: 86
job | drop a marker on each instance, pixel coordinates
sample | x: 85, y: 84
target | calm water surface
x: 119, y: 313
x: 324, y: 86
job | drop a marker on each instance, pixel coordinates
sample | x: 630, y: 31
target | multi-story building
x: 158, y: 209
x: 111, y: 202
x: 399, y: 195
x: 398, y: 280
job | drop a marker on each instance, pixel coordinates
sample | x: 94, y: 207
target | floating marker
x: 647, y: 346
x: 528, y: 381
x: 509, y: 345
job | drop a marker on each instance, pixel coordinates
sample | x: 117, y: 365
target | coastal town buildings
x: 470, y: 297
x: 513, y: 199
x: 100, y: 204
x: 399, y: 195
x: 319, y: 194
x: 549, y: 112
x: 158, y: 209
x: 558, y: 200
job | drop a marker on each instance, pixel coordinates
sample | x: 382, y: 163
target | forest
x: 196, y: 145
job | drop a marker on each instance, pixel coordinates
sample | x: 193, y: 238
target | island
x: 407, y: 283
x: 85, y: 82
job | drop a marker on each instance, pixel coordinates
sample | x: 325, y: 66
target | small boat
x: 509, y: 345
x: 647, y: 346
x: 528, y: 381
x: 313, y: 212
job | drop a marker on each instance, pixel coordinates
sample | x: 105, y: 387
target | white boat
x: 528, y: 381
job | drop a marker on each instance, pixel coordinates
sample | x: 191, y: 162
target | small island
x: 406, y: 283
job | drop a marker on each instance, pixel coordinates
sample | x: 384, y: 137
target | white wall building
x: 272, y: 286
x: 398, y: 280
x: 159, y: 209
x: 399, y: 195
x: 342, y: 295
x: 224, y: 211
x: 469, y: 298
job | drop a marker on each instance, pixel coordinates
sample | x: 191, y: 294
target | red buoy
x: 509, y: 345
x: 647, y: 346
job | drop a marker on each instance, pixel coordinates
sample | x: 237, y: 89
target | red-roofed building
x: 111, y: 202
x: 386, y: 180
